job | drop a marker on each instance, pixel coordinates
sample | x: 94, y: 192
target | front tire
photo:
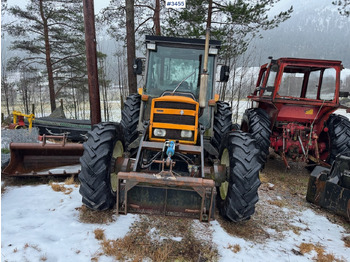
x: 105, y: 142
x: 239, y: 193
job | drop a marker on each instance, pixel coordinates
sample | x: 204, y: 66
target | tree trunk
x: 91, y: 59
x: 48, y: 58
x: 130, y: 42
x: 157, y: 18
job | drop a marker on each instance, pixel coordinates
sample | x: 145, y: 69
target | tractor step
x: 165, y: 195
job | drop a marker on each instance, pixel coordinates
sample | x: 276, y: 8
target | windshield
x: 316, y: 83
x: 311, y: 83
x: 172, y: 67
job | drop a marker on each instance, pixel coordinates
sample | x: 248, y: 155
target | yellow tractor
x: 175, y: 151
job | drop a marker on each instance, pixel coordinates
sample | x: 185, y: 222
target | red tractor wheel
x: 257, y: 122
x: 339, y: 136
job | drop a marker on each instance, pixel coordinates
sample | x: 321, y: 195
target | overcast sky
x: 98, y: 4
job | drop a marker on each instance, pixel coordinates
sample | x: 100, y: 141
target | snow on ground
x: 319, y: 231
x: 39, y: 224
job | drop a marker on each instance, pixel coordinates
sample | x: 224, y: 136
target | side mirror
x: 137, y: 66
x: 344, y: 94
x: 224, y: 73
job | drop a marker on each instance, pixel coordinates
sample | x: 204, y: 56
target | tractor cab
x: 300, y: 79
x: 173, y: 69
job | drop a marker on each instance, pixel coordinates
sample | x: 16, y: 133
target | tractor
x: 293, y: 108
x: 175, y: 151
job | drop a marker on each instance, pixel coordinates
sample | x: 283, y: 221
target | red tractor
x: 292, y: 111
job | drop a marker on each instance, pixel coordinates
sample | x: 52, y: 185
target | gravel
x: 18, y: 136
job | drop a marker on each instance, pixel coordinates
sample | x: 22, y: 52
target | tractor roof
x: 309, y: 62
x: 176, y: 40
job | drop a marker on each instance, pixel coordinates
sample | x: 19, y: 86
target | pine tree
x: 51, y: 33
x: 344, y: 7
x: 236, y: 23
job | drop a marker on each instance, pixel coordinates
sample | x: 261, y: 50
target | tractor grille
x: 174, y: 105
x: 174, y: 114
x: 174, y: 119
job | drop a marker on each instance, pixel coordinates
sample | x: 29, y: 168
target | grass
x: 235, y: 248
x: 35, y: 247
x: 346, y: 241
x: 5, y: 151
x: 59, y: 187
x: 3, y: 187
x: 294, y: 181
x: 140, y: 243
x: 23, y: 181
x: 89, y: 216
x: 99, y: 233
x: 251, y: 230
x: 321, y: 255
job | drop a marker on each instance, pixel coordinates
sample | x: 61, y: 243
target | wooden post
x: 91, y: 57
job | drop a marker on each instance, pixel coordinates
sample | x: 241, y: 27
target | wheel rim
x: 225, y: 160
x: 118, y: 151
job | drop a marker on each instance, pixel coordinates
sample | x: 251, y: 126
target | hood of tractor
x: 174, y: 118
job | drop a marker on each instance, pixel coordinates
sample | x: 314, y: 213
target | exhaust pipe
x: 204, y: 76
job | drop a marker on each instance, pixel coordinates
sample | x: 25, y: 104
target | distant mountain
x: 315, y: 30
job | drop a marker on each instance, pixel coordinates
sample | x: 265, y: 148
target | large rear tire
x: 222, y: 123
x: 339, y: 135
x: 130, y: 119
x: 256, y: 122
x: 97, y: 179
x: 239, y: 193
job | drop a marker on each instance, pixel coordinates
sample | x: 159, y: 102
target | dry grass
x: 346, y: 241
x: 35, y: 247
x: 89, y: 216
x: 235, y: 248
x: 3, y: 187
x: 140, y: 243
x: 43, y: 258
x: 99, y: 233
x: 249, y: 230
x: 293, y: 181
x: 278, y: 202
x: 70, y: 181
x: 60, y: 188
x: 321, y: 255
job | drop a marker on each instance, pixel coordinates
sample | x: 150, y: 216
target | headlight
x: 186, y: 133
x: 159, y: 132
